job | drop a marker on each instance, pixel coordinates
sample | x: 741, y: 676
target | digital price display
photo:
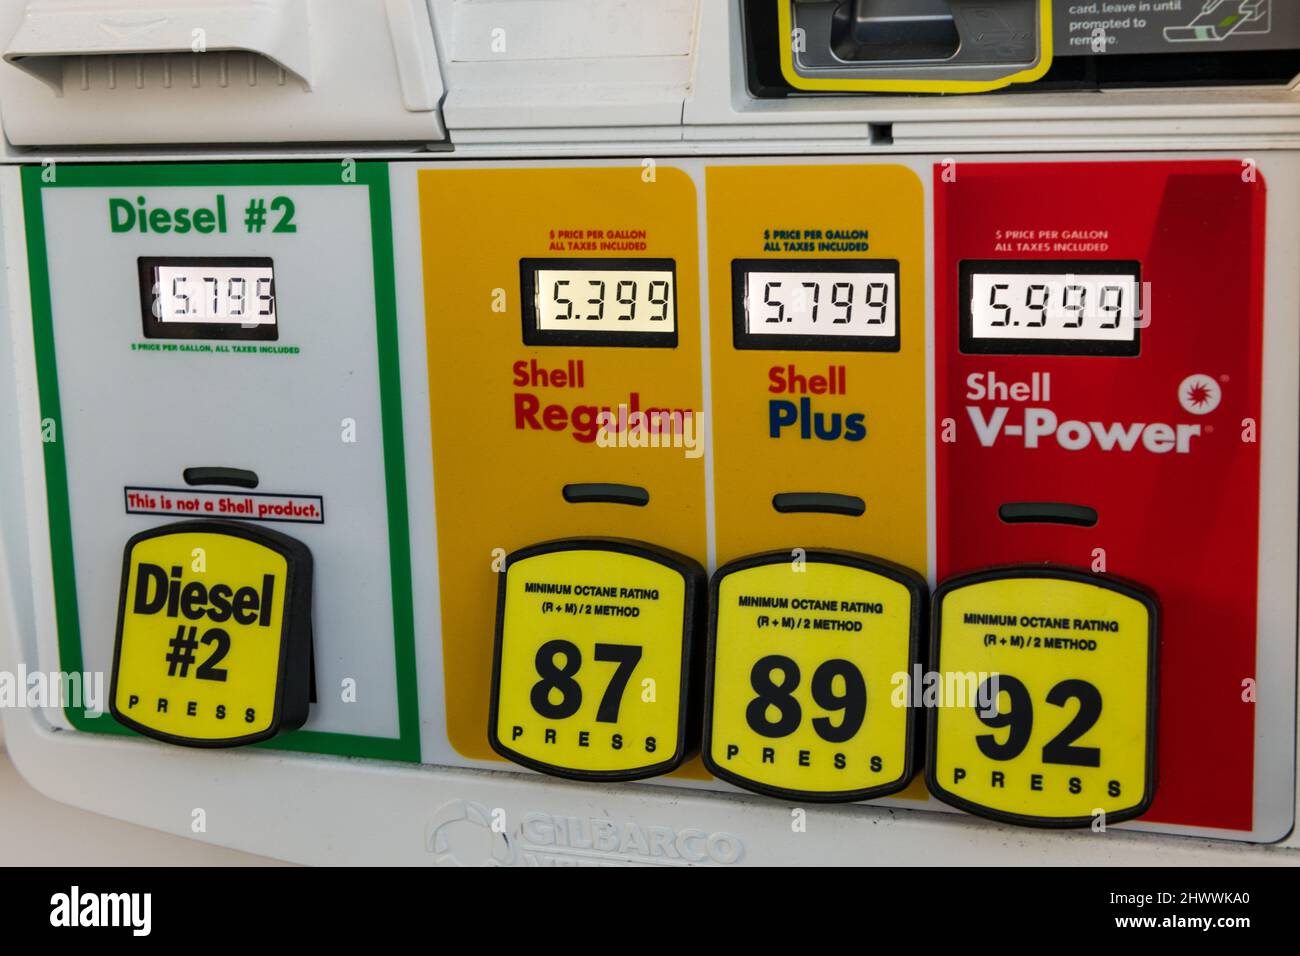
x: 599, y: 302
x: 1012, y: 307
x: 594, y: 642
x: 816, y: 304
x: 213, y: 634
x: 208, y: 298
x: 1049, y: 683
x: 806, y: 654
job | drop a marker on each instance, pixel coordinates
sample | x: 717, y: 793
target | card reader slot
x: 887, y: 30
x: 1047, y: 512
x: 220, y: 475
x: 604, y: 492
x: 818, y: 502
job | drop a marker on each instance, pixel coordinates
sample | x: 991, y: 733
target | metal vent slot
x: 140, y: 71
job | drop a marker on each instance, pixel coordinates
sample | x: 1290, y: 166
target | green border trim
x: 374, y: 176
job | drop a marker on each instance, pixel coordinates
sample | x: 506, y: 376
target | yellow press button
x: 592, y: 672
x: 810, y: 659
x: 1045, y: 680
x: 213, y: 634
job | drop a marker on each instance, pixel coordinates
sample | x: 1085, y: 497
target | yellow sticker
x: 592, y: 667
x: 810, y: 657
x: 1043, y: 695
x: 214, y: 631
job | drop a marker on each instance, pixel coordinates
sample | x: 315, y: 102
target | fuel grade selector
x: 591, y: 676
x: 214, y: 634
x: 810, y: 656
x: 1056, y: 673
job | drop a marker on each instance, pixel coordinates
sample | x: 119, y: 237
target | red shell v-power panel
x: 1099, y: 331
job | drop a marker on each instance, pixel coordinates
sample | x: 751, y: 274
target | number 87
x: 563, y: 679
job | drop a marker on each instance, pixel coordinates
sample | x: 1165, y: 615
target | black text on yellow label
x: 591, y: 677
x: 1047, y: 680
x: 808, y: 661
x: 214, y: 634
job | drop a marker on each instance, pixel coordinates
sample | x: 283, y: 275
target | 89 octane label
x: 804, y: 656
x: 593, y: 642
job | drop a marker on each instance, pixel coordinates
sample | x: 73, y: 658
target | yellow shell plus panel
x: 817, y: 305
x: 592, y: 673
x: 809, y: 663
x: 1044, y: 684
x: 213, y: 634
x: 565, y: 381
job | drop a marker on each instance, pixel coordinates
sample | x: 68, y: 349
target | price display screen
x: 208, y: 298
x: 599, y: 302
x: 1051, y: 681
x: 593, y: 651
x: 816, y: 304
x: 1051, y: 308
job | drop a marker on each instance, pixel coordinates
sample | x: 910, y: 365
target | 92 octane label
x: 589, y: 669
x: 1045, y: 709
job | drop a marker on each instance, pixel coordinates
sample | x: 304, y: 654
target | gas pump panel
x: 676, y: 399
x: 584, y: 380
x: 240, y: 318
x: 1097, y: 367
x: 818, y: 351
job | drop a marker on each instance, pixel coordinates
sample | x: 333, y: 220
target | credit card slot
x: 218, y: 475
x: 602, y: 492
x: 1047, y: 512
x: 889, y: 30
x: 818, y: 502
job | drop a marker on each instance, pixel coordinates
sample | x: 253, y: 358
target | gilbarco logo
x: 1037, y: 426
x: 462, y: 833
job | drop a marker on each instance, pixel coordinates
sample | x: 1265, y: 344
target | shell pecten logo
x: 1199, y: 394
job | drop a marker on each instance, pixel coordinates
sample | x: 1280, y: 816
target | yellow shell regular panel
x: 803, y: 401
x: 554, y: 295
